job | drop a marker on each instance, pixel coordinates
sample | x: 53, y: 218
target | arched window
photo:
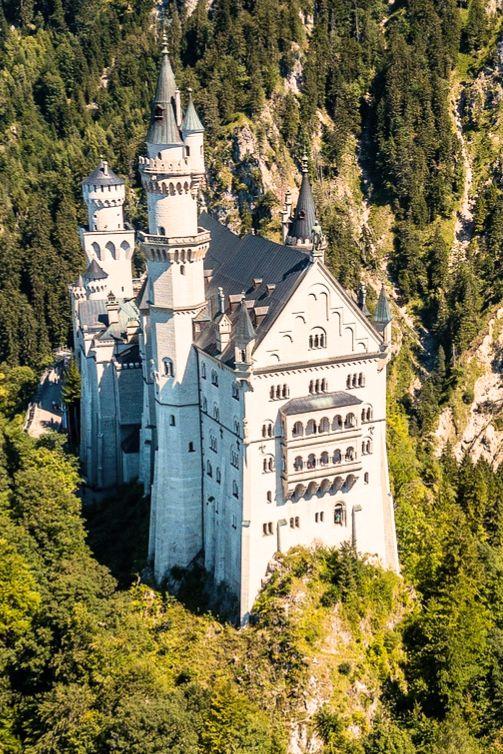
x: 271, y: 392
x: 350, y: 454
x: 182, y: 269
x: 298, y: 429
x: 235, y: 490
x: 236, y: 426
x: 191, y: 447
x: 216, y: 412
x: 369, y: 414
x: 169, y: 369
x: 298, y: 464
x: 324, y: 458
x: 213, y: 443
x: 269, y: 496
x: 323, y: 386
x: 311, y: 387
x: 203, y: 370
x: 340, y: 514
x: 235, y: 391
x: 317, y: 338
x: 348, y: 381
x: 209, y: 469
x: 361, y: 380
x: 364, y: 414
x: 337, y: 422
x: 234, y: 459
x: 285, y: 391
x: 96, y: 248
x: 337, y: 457
x: 324, y: 425
x: 278, y: 391
x: 268, y: 464
x: 218, y: 475
x: 172, y: 421
x: 110, y: 247
x: 366, y: 477
x: 205, y: 404
x: 311, y: 427
x: 350, y: 421
x: 267, y: 429
x: 311, y: 461
x: 214, y: 378
x: 354, y: 381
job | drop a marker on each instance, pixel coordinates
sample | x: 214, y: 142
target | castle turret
x: 174, y: 247
x: 106, y: 240
x: 383, y: 317
x: 193, y: 137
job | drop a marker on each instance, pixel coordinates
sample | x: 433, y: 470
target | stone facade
x: 262, y: 388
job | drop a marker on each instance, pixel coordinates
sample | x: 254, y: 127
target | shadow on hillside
x: 117, y: 528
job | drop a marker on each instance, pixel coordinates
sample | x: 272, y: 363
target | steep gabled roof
x: 163, y: 126
x: 234, y: 263
x: 191, y: 122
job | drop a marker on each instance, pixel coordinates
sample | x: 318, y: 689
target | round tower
x: 104, y: 194
x: 193, y: 137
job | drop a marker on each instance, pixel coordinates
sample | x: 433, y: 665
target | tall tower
x: 175, y: 248
x: 107, y: 243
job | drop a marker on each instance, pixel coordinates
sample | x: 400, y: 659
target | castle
x: 238, y: 381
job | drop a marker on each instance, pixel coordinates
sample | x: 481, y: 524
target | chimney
x: 112, y: 309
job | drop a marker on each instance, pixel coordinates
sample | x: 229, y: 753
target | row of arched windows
x: 366, y: 447
x: 355, y: 380
x: 325, y: 459
x: 318, y: 338
x: 268, y: 464
x: 267, y: 429
x: 109, y: 246
x: 318, y: 386
x: 324, y: 425
x: 277, y: 392
x: 367, y: 414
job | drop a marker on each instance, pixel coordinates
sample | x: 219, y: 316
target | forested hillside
x: 399, y: 106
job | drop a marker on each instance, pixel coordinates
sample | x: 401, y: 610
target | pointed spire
x: 244, y: 332
x: 163, y: 127
x: 94, y: 272
x: 191, y: 122
x: 382, y: 314
x: 301, y: 227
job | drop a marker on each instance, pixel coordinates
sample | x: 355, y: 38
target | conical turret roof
x: 244, y: 330
x: 163, y: 127
x: 94, y: 272
x: 191, y: 122
x: 305, y: 213
x: 103, y: 176
x: 382, y: 314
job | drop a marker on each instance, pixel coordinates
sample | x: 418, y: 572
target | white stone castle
x: 238, y: 381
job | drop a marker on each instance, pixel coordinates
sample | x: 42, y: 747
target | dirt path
x: 45, y: 411
x: 463, y: 229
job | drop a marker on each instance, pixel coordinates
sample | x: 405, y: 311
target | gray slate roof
x: 103, y: 176
x: 235, y: 262
x: 325, y: 401
x: 163, y: 128
x: 191, y: 122
x: 305, y: 213
x: 244, y: 331
x: 94, y: 272
x: 382, y: 314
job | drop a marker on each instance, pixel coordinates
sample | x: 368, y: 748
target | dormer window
x: 302, y: 214
x: 158, y: 112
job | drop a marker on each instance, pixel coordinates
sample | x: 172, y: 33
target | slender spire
x: 301, y: 227
x: 163, y: 126
x: 191, y: 122
x: 382, y: 316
